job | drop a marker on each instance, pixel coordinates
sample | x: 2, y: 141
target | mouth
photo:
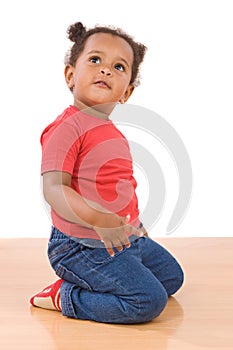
x: 102, y: 84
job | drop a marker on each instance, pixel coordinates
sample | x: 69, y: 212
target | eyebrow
x: 101, y: 52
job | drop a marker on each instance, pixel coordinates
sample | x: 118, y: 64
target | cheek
x: 82, y: 76
x: 79, y: 80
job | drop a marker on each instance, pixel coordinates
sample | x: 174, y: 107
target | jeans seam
x: 67, y: 307
x: 115, y: 283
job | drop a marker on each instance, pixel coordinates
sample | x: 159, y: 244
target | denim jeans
x: 131, y: 287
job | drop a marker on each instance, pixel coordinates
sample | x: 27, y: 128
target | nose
x: 106, y: 71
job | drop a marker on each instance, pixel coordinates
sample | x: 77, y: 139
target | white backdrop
x: 187, y: 78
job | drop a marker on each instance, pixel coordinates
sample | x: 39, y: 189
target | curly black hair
x: 78, y: 34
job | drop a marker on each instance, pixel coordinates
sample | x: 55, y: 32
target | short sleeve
x: 60, y: 148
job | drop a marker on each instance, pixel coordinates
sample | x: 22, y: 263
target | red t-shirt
x: 97, y: 155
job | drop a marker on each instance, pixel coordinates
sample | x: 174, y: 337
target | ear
x: 127, y: 94
x: 69, y: 76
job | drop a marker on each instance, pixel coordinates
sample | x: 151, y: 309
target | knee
x: 152, y: 303
x: 156, y: 303
x: 180, y: 277
x: 176, y: 281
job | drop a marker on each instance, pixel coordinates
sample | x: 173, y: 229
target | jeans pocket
x: 99, y: 255
x: 59, y: 247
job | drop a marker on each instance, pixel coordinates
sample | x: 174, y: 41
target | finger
x: 125, y: 244
x: 110, y: 251
x: 128, y: 245
x: 120, y: 241
x: 125, y: 241
x: 129, y: 229
x: 108, y: 247
x: 117, y: 243
x: 119, y: 248
x: 121, y: 238
x: 133, y: 230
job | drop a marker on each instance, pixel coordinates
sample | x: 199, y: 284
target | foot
x: 49, y: 297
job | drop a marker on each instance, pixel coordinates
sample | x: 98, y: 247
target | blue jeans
x: 131, y: 287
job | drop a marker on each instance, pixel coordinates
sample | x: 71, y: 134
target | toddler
x: 109, y: 269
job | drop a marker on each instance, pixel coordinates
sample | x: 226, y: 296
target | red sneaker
x: 49, y: 297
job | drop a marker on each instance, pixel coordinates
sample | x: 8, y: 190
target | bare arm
x: 72, y: 207
x: 65, y: 201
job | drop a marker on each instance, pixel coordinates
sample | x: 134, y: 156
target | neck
x: 101, y: 111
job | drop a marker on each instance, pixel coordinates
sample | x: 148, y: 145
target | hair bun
x: 75, y: 31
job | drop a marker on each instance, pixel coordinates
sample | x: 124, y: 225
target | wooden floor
x: 200, y: 316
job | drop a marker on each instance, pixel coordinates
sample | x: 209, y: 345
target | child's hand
x: 115, y: 233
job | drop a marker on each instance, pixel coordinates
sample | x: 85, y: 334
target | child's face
x: 102, y: 72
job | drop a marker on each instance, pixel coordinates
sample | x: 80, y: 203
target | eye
x: 95, y: 59
x: 120, y: 67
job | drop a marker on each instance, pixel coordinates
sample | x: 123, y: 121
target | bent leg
x: 162, y: 264
x: 98, y: 287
